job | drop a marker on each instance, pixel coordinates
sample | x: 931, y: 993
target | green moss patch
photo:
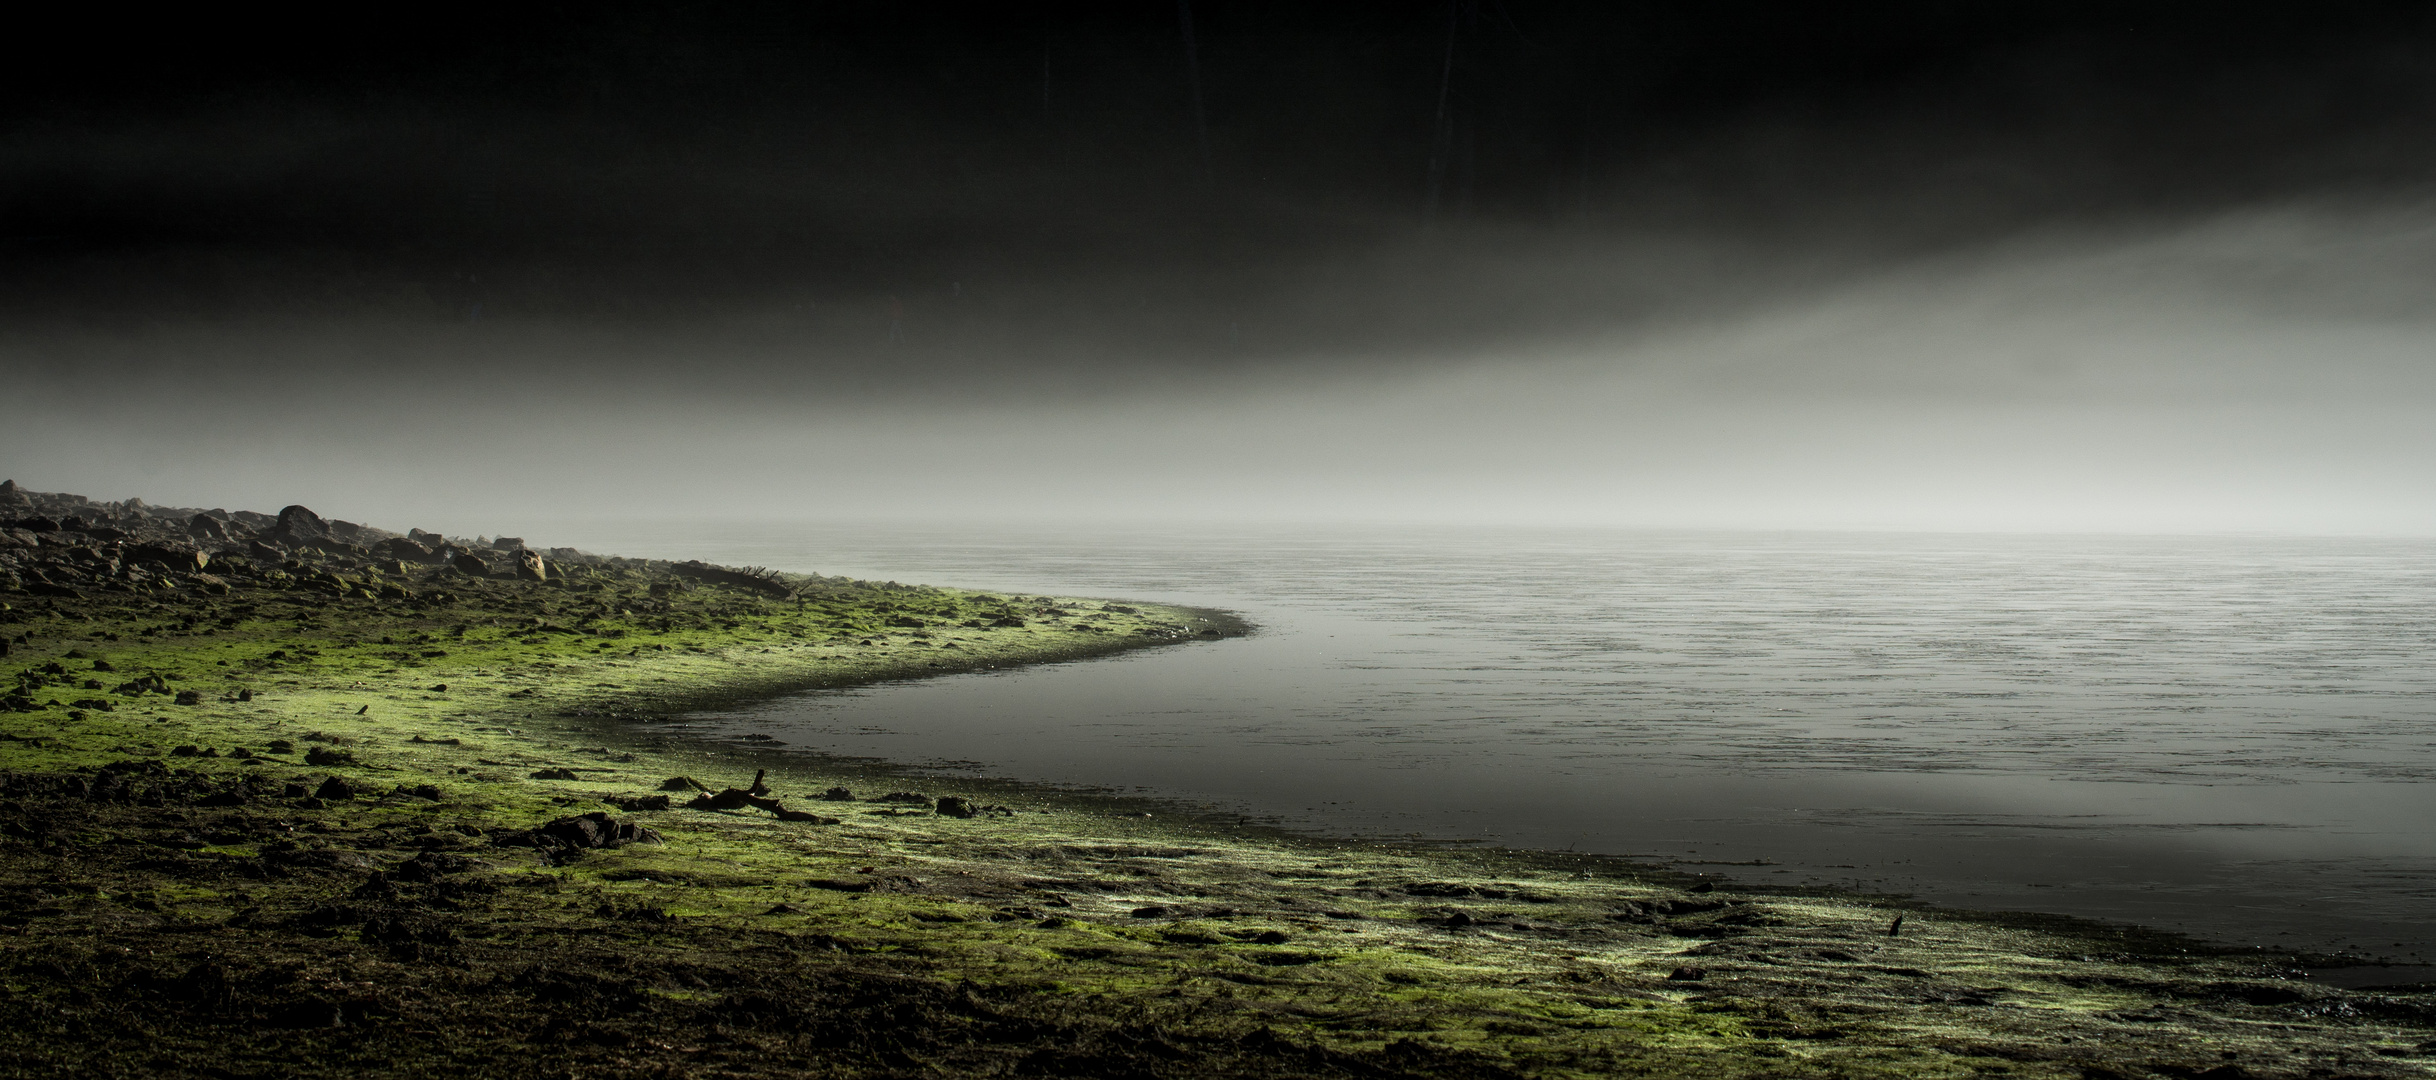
x: 318, y: 820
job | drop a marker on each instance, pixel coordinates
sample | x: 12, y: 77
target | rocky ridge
x: 63, y: 545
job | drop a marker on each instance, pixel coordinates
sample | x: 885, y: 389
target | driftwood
x: 755, y: 797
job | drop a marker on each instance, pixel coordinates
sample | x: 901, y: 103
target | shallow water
x: 2232, y: 737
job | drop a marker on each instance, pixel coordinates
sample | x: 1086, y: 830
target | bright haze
x: 1993, y: 266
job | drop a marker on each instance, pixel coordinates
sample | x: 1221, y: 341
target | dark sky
x: 852, y: 207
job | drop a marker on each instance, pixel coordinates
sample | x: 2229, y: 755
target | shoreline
x: 299, y: 842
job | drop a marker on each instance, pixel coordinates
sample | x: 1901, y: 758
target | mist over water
x: 2261, y: 371
x: 2231, y: 737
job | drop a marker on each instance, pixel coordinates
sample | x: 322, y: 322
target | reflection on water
x: 2229, y: 736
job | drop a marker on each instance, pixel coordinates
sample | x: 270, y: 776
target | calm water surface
x: 2233, y: 737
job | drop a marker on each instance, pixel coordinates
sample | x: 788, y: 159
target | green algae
x: 222, y: 918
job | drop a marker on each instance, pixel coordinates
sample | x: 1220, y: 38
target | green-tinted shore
x: 325, y: 864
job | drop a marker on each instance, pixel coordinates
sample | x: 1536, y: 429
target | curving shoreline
x: 358, y: 852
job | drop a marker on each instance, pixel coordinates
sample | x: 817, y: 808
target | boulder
x: 298, y: 525
x: 529, y: 567
x: 206, y: 525
x: 593, y: 830
x: 508, y: 543
x: 256, y: 549
x: 177, y: 557
x: 471, y: 563
x: 404, y: 549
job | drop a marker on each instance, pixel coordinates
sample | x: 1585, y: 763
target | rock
x: 149, y: 684
x: 954, y: 807
x: 405, y: 550
x: 909, y: 798
x: 189, y: 697
x: 334, y: 789
x: 1270, y: 937
x: 298, y: 526
x: 175, y: 557
x: 683, y: 783
x: 507, y: 543
x: 1154, y: 911
x: 259, y: 551
x: 322, y: 756
x: 206, y: 525
x: 529, y: 567
x: 555, y: 774
x: 1687, y: 974
x: 837, y: 794
x: 470, y: 563
x: 593, y: 830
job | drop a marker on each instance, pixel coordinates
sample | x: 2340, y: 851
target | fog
x: 2263, y: 370
x: 2002, y: 272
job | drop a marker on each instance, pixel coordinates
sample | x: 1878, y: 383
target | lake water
x: 2230, y: 737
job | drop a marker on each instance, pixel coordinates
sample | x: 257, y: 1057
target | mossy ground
x: 196, y: 911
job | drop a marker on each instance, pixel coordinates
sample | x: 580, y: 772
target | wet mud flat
x: 273, y: 843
